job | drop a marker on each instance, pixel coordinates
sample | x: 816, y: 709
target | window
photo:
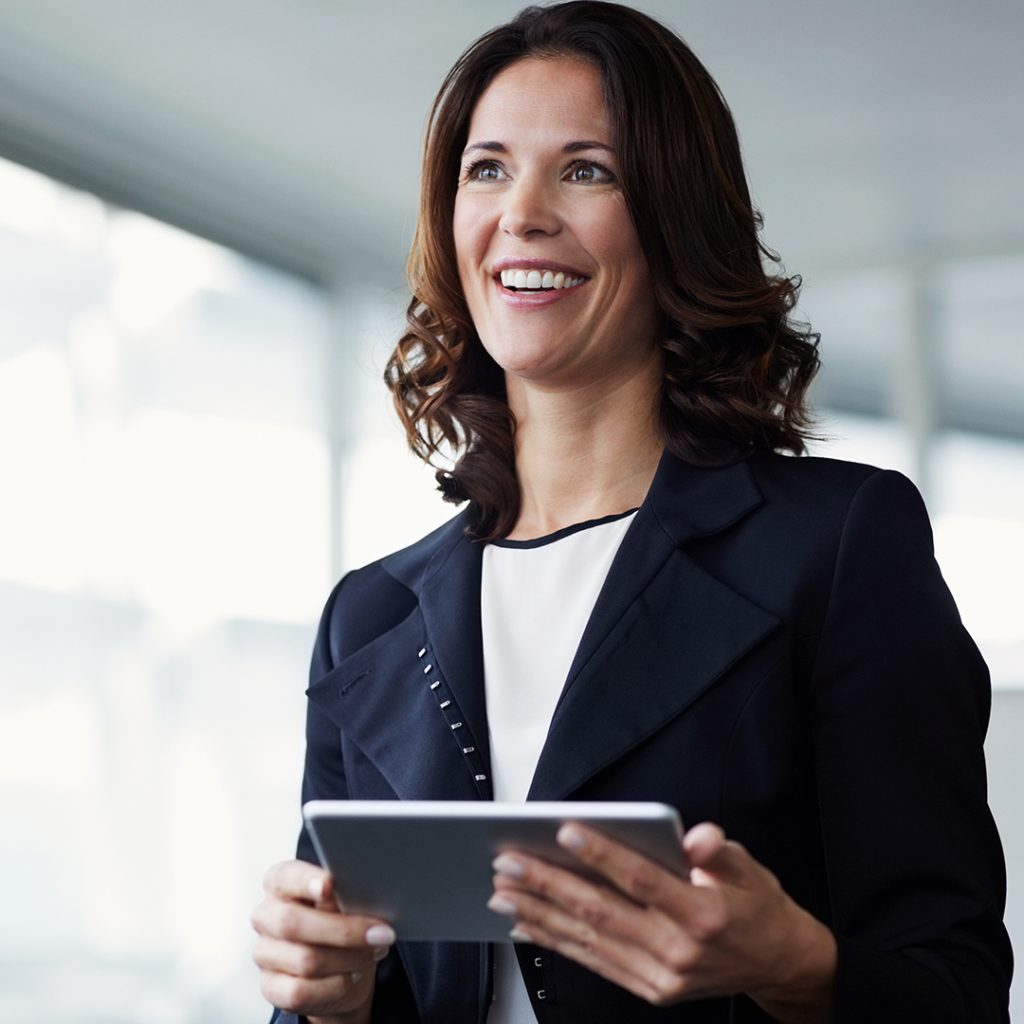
x: 164, y: 554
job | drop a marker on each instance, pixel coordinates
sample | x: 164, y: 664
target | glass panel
x: 979, y: 540
x: 164, y: 554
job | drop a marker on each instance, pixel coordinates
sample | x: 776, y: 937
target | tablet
x: 425, y: 866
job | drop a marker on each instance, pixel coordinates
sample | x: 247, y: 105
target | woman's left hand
x: 728, y: 929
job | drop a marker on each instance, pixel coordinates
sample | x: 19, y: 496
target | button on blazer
x: 774, y: 650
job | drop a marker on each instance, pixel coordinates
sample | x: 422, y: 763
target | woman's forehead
x: 542, y: 99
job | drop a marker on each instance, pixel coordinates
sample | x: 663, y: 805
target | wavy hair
x: 736, y: 365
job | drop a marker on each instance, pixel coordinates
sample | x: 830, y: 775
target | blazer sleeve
x: 900, y: 699
x: 323, y: 778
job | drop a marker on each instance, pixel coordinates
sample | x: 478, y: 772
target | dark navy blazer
x: 774, y: 650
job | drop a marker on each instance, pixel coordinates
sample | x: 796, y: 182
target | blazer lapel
x: 450, y: 602
x: 662, y: 630
x: 412, y: 700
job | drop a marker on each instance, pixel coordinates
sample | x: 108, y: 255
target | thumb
x: 712, y: 857
x: 322, y: 890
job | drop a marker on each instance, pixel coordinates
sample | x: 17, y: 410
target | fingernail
x: 380, y: 935
x: 379, y: 953
x: 316, y: 889
x: 506, y: 865
x: 570, y: 838
x: 500, y: 905
x: 519, y: 934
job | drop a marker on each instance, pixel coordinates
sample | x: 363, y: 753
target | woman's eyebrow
x: 569, y: 147
x: 493, y: 147
x: 575, y: 147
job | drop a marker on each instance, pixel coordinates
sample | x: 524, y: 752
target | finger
x: 638, y: 876
x: 306, y: 961
x: 297, y: 922
x: 680, y: 904
x: 316, y: 996
x: 702, y: 842
x: 641, y: 879
x: 711, y: 854
x: 577, y: 910
x: 634, y: 977
x: 665, y: 953
x: 298, y: 880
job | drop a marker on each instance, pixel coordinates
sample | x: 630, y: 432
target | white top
x: 535, y: 600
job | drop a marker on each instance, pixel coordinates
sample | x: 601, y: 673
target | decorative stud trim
x: 445, y: 703
x: 421, y: 652
x: 435, y: 684
x: 456, y: 725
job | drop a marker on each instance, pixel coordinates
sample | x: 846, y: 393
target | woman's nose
x: 529, y: 209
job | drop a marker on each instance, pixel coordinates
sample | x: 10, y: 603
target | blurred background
x: 204, y: 212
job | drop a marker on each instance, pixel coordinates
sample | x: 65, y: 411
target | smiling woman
x: 560, y: 139
x: 643, y: 600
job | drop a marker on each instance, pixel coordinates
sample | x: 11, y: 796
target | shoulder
x: 846, y: 527
x: 812, y: 475
x: 809, y: 490
x: 813, y: 521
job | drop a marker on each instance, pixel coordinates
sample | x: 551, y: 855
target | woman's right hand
x: 313, y: 959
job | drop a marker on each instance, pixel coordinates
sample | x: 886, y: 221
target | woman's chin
x: 531, y: 363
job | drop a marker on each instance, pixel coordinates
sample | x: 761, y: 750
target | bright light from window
x: 157, y: 268
x: 982, y: 559
x: 164, y: 477
x: 40, y: 530
x: 50, y: 744
x: 29, y: 202
x: 93, y: 348
x: 227, y: 518
x: 390, y: 500
x: 200, y: 849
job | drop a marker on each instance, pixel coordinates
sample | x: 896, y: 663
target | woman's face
x: 550, y: 263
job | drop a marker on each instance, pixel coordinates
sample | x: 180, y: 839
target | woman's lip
x: 530, y: 300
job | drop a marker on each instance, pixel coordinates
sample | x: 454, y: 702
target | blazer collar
x: 697, y: 501
x: 444, y: 571
x: 684, y: 502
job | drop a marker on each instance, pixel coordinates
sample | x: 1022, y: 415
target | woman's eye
x: 585, y: 171
x: 483, y: 170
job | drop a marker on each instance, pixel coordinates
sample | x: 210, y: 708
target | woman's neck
x: 583, y: 454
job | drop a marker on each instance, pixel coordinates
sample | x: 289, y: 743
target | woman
x: 643, y: 600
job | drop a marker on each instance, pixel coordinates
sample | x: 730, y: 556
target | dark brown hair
x: 736, y: 367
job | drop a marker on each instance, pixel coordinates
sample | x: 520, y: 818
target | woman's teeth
x: 538, y: 280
